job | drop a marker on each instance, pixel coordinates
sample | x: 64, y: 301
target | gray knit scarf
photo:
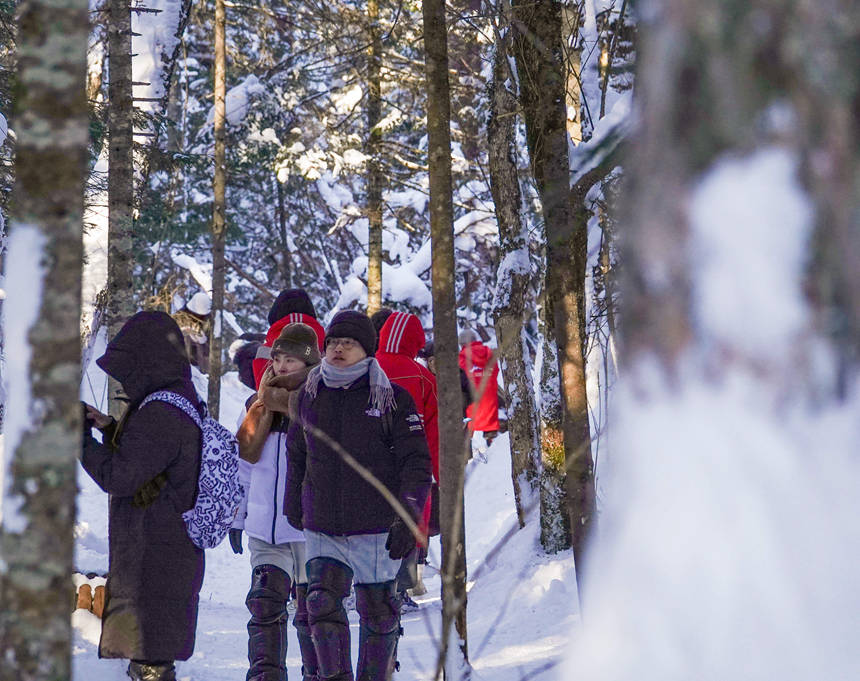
x: 381, y: 392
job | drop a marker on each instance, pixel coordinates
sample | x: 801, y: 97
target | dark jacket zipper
x: 275, y: 494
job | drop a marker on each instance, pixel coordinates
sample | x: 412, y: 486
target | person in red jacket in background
x: 293, y: 305
x: 476, y: 359
x: 400, y: 339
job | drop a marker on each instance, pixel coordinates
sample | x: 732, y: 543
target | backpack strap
x: 176, y: 400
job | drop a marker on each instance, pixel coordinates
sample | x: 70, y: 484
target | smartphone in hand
x: 94, y: 418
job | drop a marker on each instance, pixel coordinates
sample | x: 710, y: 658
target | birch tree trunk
x: 453, y: 649
x: 374, y: 161
x: 120, y: 299
x: 43, y: 424
x: 542, y: 93
x: 219, y: 223
x: 513, y: 287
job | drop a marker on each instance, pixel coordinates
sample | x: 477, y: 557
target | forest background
x: 568, y: 198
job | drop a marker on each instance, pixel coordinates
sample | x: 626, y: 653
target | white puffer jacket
x: 261, y: 512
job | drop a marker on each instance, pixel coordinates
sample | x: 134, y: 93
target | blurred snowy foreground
x: 522, y: 605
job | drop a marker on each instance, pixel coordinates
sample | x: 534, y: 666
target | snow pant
x: 267, y: 628
x: 379, y: 628
x: 141, y: 670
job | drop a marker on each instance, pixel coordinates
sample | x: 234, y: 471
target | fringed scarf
x: 381, y: 392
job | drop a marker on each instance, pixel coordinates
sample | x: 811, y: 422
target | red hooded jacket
x: 474, y: 359
x: 400, y: 339
x: 264, y: 352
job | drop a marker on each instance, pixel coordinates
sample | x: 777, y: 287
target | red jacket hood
x: 402, y: 334
x: 294, y: 317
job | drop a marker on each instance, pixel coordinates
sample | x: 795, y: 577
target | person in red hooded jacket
x: 293, y: 305
x: 476, y: 359
x: 400, y: 339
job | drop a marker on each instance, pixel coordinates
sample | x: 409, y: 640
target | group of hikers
x: 338, y: 448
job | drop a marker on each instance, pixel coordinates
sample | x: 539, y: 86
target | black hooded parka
x: 155, y: 571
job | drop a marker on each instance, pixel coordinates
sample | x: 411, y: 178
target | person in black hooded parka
x: 149, y: 464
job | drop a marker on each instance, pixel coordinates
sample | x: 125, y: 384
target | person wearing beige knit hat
x: 277, y: 548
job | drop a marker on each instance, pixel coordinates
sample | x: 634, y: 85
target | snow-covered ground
x: 521, y: 612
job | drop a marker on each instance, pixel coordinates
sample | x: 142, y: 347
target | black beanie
x: 244, y: 359
x: 291, y: 300
x: 427, y: 351
x: 355, y: 325
x: 299, y: 341
x: 379, y: 318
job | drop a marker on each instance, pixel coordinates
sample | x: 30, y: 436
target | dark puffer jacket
x: 155, y: 571
x: 324, y: 493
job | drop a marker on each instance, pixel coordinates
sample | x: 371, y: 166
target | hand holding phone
x: 94, y: 418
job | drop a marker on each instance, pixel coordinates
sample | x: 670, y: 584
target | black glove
x: 400, y: 540
x: 235, y: 536
x: 149, y: 491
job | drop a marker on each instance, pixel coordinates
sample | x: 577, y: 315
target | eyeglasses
x: 345, y: 343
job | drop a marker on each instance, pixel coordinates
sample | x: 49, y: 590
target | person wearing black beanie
x: 289, y: 301
x: 352, y: 532
x: 355, y: 325
x: 379, y: 318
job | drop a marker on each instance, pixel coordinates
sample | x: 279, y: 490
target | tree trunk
x: 120, y: 300
x: 571, y: 21
x: 219, y: 223
x: 374, y: 161
x: 513, y: 287
x: 685, y: 68
x: 554, y: 517
x: 42, y: 333
x: 466, y: 62
x: 285, y: 260
x: 542, y: 90
x: 452, y: 458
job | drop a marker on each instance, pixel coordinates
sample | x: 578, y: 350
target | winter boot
x: 379, y: 613
x: 267, y: 628
x: 419, y: 589
x: 99, y: 601
x: 151, y: 671
x: 303, y: 632
x: 328, y: 585
x: 85, y: 597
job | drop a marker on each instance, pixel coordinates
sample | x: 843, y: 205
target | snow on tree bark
x: 743, y: 166
x: 537, y: 48
x: 51, y: 122
x: 513, y: 287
